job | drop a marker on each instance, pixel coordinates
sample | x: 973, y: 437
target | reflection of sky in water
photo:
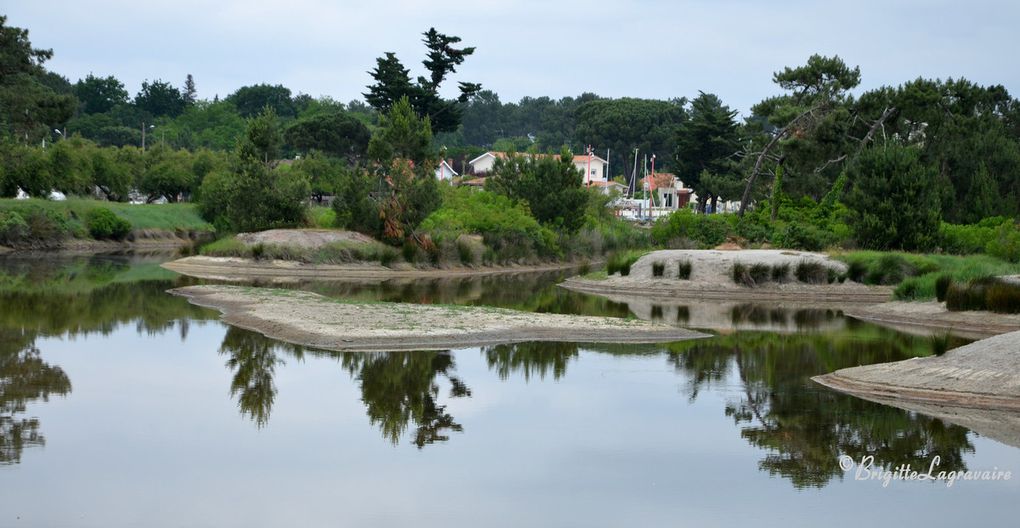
x: 150, y: 435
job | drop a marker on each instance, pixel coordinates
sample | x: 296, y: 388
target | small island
x: 310, y: 319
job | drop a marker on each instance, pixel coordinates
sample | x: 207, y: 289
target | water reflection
x: 805, y: 428
x: 530, y: 359
x: 24, y: 378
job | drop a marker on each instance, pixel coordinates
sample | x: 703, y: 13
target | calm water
x: 121, y: 405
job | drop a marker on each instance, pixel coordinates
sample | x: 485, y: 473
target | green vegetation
x: 103, y: 223
x: 985, y: 293
x: 335, y: 253
x: 917, y: 275
x: 683, y: 271
x: 43, y: 223
x: 622, y: 261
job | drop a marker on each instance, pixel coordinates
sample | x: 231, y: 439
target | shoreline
x: 309, y: 319
x: 240, y: 269
x: 674, y: 290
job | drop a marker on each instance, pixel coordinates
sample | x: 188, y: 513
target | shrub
x: 752, y: 275
x: 965, y: 239
x: 684, y: 270
x: 1003, y: 297
x: 658, y: 268
x: 942, y: 286
x: 803, y: 236
x: 621, y: 262
x: 704, y: 229
x: 103, y: 223
x: 812, y: 272
x: 13, y: 228
x: 760, y: 273
x: 780, y: 272
x: 1006, y: 243
x: 940, y: 343
x: 890, y: 269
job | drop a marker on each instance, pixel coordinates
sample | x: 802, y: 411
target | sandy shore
x: 283, y: 271
x: 929, y: 317
x: 984, y: 375
x: 310, y: 319
x: 711, y: 278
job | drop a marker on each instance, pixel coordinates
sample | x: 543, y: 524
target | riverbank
x: 932, y: 316
x: 310, y: 319
x: 739, y: 275
x: 70, y: 226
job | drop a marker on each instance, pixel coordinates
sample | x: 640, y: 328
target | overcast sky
x: 644, y: 48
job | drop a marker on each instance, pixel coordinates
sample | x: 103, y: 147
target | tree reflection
x: 253, y: 359
x: 401, y: 388
x: 24, y: 378
x: 530, y: 359
x: 804, y: 427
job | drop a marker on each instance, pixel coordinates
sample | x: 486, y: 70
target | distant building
x: 593, y: 166
x: 445, y: 172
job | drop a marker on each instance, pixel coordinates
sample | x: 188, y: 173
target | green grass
x: 919, y: 273
x: 621, y: 262
x: 320, y: 217
x: 335, y: 253
x: 147, y: 216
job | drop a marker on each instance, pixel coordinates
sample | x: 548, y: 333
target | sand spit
x: 982, y: 375
x: 284, y: 271
x: 310, y: 319
x: 711, y: 278
x: 931, y: 317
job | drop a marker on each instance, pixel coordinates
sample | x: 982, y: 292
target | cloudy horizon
x: 648, y: 49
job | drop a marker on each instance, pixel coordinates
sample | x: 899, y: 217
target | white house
x: 445, y: 172
x: 591, y: 165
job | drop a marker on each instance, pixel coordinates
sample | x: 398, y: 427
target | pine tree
x: 190, y: 94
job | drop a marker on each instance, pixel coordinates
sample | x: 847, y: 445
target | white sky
x: 645, y: 48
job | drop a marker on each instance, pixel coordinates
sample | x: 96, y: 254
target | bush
x: 803, y: 236
x: 684, y: 270
x: 780, y: 272
x: 103, y: 223
x: 1006, y: 243
x: 751, y: 276
x: 706, y: 230
x: 965, y: 239
x: 13, y: 228
x: 621, y: 262
x: 812, y: 272
x: 658, y: 268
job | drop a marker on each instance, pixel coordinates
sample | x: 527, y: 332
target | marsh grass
x: 684, y: 269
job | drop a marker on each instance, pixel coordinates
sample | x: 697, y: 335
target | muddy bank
x: 284, y: 271
x: 982, y: 375
x: 931, y: 317
x: 310, y: 319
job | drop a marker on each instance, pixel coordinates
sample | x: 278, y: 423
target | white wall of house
x: 483, y: 164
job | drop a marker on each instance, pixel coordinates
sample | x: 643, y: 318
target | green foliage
x: 99, y: 94
x: 658, y: 268
x: 160, y: 98
x: 320, y: 217
x: 504, y: 225
x: 551, y: 187
x: 392, y: 82
x: 893, y: 203
x: 403, y: 135
x: 812, y: 272
x: 705, y: 148
x: 684, y: 227
x: 942, y: 283
x: 102, y: 223
x: 338, y: 134
x: 251, y: 101
x: 622, y: 261
x: 334, y: 253
x: 985, y: 293
x: 919, y: 273
x: 1006, y: 242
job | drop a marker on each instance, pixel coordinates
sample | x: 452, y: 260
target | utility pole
x: 143, y: 136
x: 587, y: 173
x: 633, y: 177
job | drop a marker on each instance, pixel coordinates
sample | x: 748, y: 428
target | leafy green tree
x: 338, y: 134
x: 29, y: 169
x: 251, y: 100
x: 264, y: 138
x: 707, y: 145
x: 99, y: 94
x: 71, y: 166
x: 393, y: 83
x: 112, y: 178
x: 29, y: 107
x: 402, y: 135
x: 893, y: 203
x: 625, y: 124
x: 205, y: 124
x: 550, y: 186
x: 160, y: 98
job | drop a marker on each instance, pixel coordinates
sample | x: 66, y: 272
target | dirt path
x: 310, y: 319
x: 239, y: 269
